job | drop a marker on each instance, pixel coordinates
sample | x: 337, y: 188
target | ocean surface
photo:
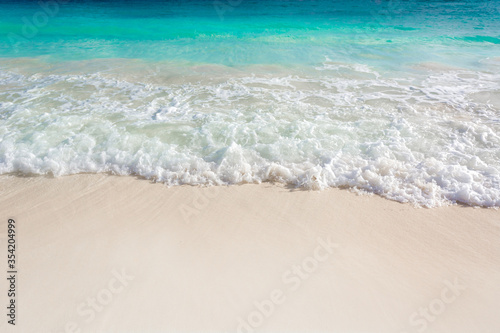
x: 397, y: 98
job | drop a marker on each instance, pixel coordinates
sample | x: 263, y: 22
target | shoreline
x: 116, y: 253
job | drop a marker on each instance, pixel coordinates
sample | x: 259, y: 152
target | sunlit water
x: 396, y: 98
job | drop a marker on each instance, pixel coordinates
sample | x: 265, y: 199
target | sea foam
x: 430, y: 138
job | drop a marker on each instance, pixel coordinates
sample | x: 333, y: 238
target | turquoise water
x: 398, y: 98
x: 384, y: 33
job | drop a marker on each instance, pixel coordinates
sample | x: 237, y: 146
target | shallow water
x: 396, y: 98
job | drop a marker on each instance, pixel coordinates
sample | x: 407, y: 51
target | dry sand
x: 99, y: 253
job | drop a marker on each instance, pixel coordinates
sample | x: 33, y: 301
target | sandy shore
x: 100, y: 253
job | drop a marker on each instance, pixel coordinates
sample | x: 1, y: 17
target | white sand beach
x: 100, y: 253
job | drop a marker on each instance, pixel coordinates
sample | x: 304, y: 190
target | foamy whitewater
x: 397, y: 99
